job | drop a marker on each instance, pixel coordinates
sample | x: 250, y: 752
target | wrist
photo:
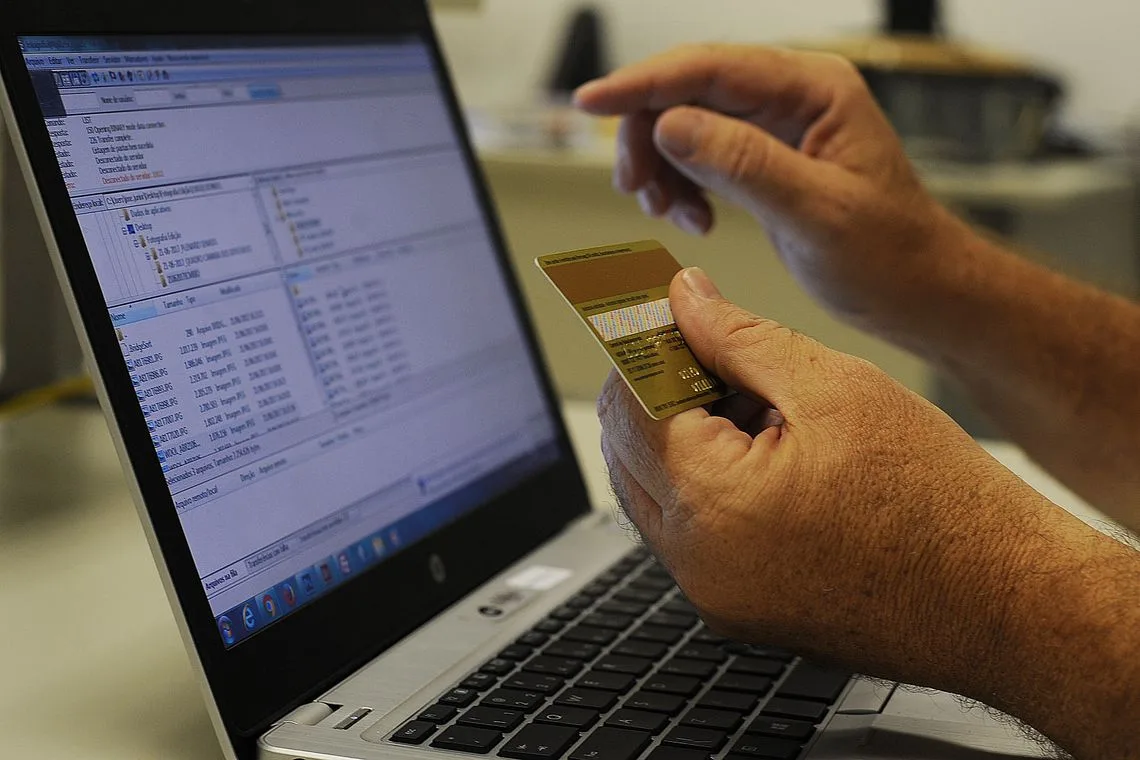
x: 1064, y: 653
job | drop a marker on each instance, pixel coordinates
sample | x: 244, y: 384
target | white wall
x: 504, y: 51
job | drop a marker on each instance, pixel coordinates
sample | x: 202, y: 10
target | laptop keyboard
x: 623, y: 670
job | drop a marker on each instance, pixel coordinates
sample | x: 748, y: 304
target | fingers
x: 693, y: 447
x: 741, y: 162
x: 756, y: 356
x: 734, y: 79
x: 634, y: 503
x: 661, y: 189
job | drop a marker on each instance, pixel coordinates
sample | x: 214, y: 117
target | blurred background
x: 1023, y: 115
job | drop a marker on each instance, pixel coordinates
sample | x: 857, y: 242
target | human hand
x: 826, y: 508
x: 797, y: 140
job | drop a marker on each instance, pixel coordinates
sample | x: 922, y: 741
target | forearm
x: 1054, y: 362
x: 1067, y: 659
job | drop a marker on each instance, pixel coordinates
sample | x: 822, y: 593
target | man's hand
x: 828, y: 509
x: 794, y: 138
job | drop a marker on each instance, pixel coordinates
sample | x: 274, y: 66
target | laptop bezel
x: 297, y: 658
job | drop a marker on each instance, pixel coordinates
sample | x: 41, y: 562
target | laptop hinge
x: 308, y: 715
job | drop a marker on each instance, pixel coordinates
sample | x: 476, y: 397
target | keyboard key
x: 655, y: 570
x: 590, y: 635
x: 672, y: 620
x: 658, y: 634
x: 438, y: 714
x: 591, y: 699
x: 414, y: 732
x: 610, y: 577
x: 550, y: 625
x: 516, y: 652
x: 651, y: 582
x: 491, y: 717
x: 721, y: 720
x: 667, y: 684
x: 765, y: 747
x: 498, y: 666
x: 742, y: 682
x: 696, y: 738
x: 756, y: 666
x: 595, y: 589
x: 614, y: 606
x: 695, y: 668
x: 565, y: 613
x: 808, y: 681
x: 460, y: 697
x: 511, y: 699
x: 555, y: 666
x: 560, y: 715
x: 594, y: 679
x: 729, y: 700
x: 533, y: 639
x: 678, y: 753
x: 638, y: 720
x: 705, y: 636
x: 754, y: 650
x: 479, y: 681
x: 540, y: 682
x: 580, y: 602
x: 645, y: 596
x: 608, y: 620
x: 795, y: 708
x: 611, y: 744
x: 612, y: 663
x: 680, y: 605
x: 467, y: 739
x: 655, y: 702
x: 649, y: 649
x: 796, y: 730
x: 706, y: 652
x: 537, y: 742
x: 575, y: 650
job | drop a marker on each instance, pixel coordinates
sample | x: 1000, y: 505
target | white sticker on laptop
x: 539, y: 578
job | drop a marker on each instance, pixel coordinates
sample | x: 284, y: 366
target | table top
x: 91, y: 661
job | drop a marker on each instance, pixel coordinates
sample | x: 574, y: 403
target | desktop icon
x: 393, y: 538
x: 326, y: 572
x: 248, y: 617
x: 345, y: 567
x: 378, y: 546
x: 227, y: 630
x: 362, y: 554
x: 308, y: 585
x: 288, y: 595
x: 269, y: 604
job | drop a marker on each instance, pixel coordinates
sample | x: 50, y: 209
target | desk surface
x: 91, y: 662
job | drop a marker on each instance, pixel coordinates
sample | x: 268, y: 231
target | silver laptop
x: 345, y: 450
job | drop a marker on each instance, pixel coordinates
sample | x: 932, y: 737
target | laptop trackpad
x: 934, y: 725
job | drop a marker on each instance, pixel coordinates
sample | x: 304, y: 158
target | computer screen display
x: 306, y: 294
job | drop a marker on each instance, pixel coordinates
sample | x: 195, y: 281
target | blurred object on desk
x: 584, y: 56
x: 946, y: 99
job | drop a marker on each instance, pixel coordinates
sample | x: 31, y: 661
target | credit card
x: 621, y: 293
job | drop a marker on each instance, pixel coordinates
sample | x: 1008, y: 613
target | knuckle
x: 744, y: 157
x: 747, y: 335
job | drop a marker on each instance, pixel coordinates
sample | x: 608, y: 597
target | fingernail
x: 651, y: 199
x: 583, y: 91
x: 700, y: 284
x: 690, y: 220
x: 678, y: 133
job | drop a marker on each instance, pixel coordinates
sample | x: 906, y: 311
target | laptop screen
x: 305, y: 293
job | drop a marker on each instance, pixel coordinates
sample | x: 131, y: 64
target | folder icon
x: 126, y: 215
x: 162, y: 279
x: 142, y: 241
x: 154, y: 254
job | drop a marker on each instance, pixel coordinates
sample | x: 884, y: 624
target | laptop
x: 347, y: 457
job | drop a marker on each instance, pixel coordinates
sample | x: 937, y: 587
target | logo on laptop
x: 248, y: 617
x: 226, y: 628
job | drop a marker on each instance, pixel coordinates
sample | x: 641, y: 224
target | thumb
x: 756, y: 356
x: 739, y: 161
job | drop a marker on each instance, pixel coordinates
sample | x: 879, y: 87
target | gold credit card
x: 622, y: 295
